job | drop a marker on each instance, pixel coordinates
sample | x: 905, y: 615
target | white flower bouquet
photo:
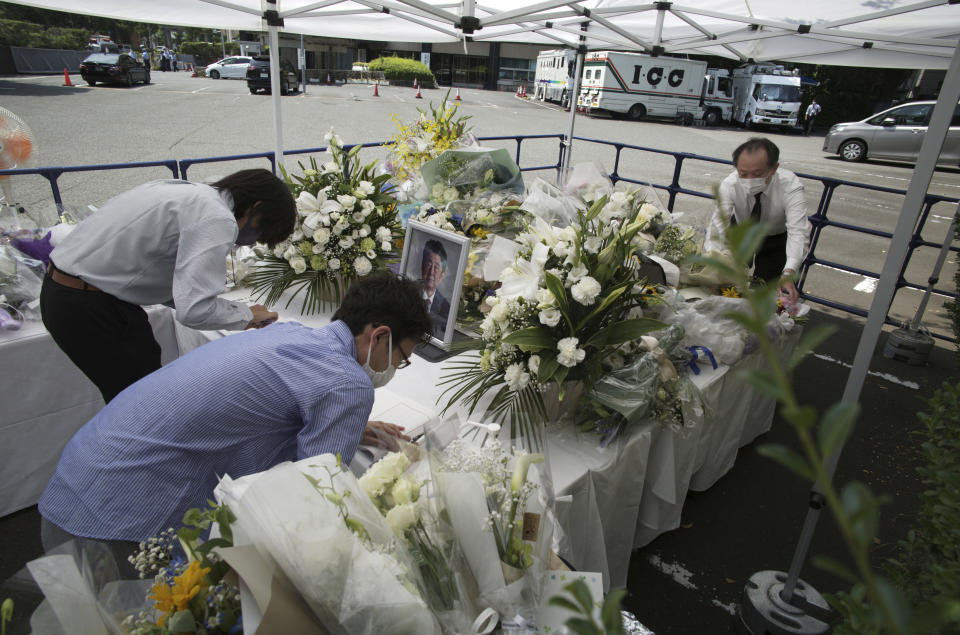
x: 320, y: 527
x: 571, y: 297
x: 346, y: 228
x: 470, y: 173
x: 500, y: 504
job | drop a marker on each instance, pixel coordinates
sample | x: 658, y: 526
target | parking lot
x: 180, y: 117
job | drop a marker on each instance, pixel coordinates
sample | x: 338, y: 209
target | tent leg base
x: 764, y: 612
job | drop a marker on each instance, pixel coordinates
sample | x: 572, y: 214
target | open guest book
x: 391, y: 407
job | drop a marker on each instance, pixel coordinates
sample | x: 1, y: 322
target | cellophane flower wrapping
x: 401, y: 487
x: 468, y: 173
x: 499, y: 498
x: 360, y: 580
x: 21, y: 279
x: 707, y: 323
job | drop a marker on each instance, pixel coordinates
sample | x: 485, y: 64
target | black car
x: 258, y: 76
x: 118, y: 68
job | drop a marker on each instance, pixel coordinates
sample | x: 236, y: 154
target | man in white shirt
x: 812, y: 111
x: 433, y: 268
x: 164, y: 242
x: 762, y: 191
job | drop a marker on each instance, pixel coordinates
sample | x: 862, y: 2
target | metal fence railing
x: 820, y: 220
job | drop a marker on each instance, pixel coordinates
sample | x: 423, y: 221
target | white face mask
x: 753, y: 186
x: 380, y: 378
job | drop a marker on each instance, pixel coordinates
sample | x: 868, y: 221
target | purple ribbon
x: 696, y: 356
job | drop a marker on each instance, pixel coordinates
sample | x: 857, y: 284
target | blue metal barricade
x: 819, y: 221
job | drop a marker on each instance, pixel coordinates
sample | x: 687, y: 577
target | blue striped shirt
x: 236, y: 406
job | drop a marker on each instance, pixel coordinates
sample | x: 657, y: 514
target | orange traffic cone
x: 66, y: 78
x: 376, y: 89
x: 523, y: 91
x: 328, y: 79
x: 458, y: 95
x: 415, y: 84
x: 518, y: 92
x: 419, y: 96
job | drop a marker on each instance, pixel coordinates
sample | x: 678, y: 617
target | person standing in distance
x: 760, y: 190
x: 812, y: 111
x: 164, y: 242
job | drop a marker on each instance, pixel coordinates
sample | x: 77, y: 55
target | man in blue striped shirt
x: 235, y: 406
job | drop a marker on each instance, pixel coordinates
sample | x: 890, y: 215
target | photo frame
x: 438, y: 260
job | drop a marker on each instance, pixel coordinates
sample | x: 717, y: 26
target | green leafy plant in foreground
x: 883, y: 608
x: 583, y: 623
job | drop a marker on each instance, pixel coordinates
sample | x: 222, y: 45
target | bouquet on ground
x: 500, y: 503
x: 416, y: 143
x: 572, y: 297
x: 470, y: 173
x: 318, y: 525
x: 419, y: 519
x: 347, y: 228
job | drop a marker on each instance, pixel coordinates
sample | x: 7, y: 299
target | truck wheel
x: 637, y: 112
x: 712, y: 117
x: 853, y: 150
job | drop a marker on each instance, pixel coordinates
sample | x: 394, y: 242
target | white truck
x: 639, y: 85
x: 766, y: 94
x: 554, y: 76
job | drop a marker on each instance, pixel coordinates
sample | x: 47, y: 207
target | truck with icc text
x: 554, y: 76
x: 767, y: 95
x: 638, y: 85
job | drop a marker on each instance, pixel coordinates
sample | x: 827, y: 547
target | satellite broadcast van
x: 642, y: 85
x: 554, y: 76
x: 766, y: 94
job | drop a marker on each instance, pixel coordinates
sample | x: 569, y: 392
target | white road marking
x: 867, y: 285
x: 200, y: 89
x: 891, y: 378
x: 677, y: 571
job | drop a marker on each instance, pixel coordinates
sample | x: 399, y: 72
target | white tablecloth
x: 610, y: 500
x: 44, y: 399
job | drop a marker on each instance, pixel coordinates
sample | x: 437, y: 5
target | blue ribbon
x: 696, y: 356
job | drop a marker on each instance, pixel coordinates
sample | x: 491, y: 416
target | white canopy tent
x: 871, y: 33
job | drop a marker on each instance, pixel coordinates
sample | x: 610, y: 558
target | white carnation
x: 362, y: 266
x: 385, y: 246
x: 585, y: 291
x: 550, y: 317
x: 575, y: 274
x: 570, y: 355
x: 383, y: 234
x: 593, y: 244
x: 517, y: 378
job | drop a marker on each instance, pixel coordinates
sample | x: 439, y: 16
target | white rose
x: 585, y: 291
x: 346, y: 243
x: 366, y: 188
x: 385, y: 246
x: 357, y: 217
x: 383, y: 234
x: 319, y: 249
x: 362, y: 266
x: 570, y: 355
x: 593, y: 244
x: 290, y: 252
x: 384, y: 472
x: 405, y: 490
x: 321, y: 236
x: 298, y: 264
x: 366, y: 207
x: 402, y: 517
x: 517, y: 379
x: 333, y: 264
x: 534, y: 364
x: 364, y: 231
x: 347, y: 201
x: 550, y: 317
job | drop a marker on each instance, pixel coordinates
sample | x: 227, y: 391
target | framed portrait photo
x: 438, y: 260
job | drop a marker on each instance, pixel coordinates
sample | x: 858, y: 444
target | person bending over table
x: 163, y: 242
x: 237, y: 405
x: 759, y: 189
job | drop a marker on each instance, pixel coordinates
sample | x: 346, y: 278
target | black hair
x: 390, y: 300
x: 436, y: 247
x: 753, y: 144
x: 277, y: 210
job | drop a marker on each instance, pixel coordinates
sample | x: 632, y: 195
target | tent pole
x: 275, y: 94
x: 568, y: 142
x: 935, y: 274
x: 755, y: 610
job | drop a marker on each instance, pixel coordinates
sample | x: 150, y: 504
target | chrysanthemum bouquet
x: 346, y: 228
x: 572, y: 296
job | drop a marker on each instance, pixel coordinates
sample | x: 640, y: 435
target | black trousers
x: 108, y: 339
x: 770, y: 258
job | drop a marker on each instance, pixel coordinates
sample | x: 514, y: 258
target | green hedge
x: 403, y: 69
x: 17, y: 33
x: 206, y: 52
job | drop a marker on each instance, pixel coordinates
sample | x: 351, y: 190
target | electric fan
x: 16, y: 147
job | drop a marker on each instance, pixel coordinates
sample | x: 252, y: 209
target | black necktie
x: 755, y: 213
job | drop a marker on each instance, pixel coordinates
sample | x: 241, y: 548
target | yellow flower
x: 730, y: 292
x: 185, y: 587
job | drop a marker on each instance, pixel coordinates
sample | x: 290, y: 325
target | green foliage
x: 208, y: 52
x: 399, y: 68
x: 6, y: 615
x: 582, y: 605
x: 921, y: 593
x: 17, y: 33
